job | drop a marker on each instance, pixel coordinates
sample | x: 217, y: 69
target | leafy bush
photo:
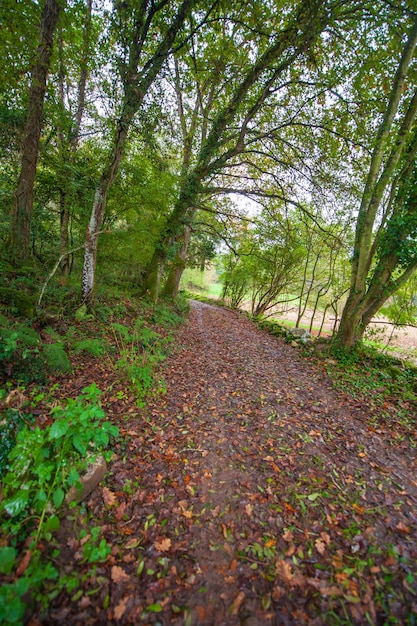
x: 140, y: 349
x: 44, y: 465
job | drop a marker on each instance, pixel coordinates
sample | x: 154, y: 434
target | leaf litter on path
x: 251, y: 492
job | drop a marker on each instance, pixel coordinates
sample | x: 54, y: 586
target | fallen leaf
x: 320, y: 546
x: 288, y: 536
x: 24, y: 563
x: 403, y: 528
x: 120, y: 609
x: 118, y: 575
x: 237, y: 603
x: 284, y: 571
x: 249, y: 510
x: 164, y: 545
x: 109, y: 497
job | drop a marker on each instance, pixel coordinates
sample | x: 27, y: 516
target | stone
x: 95, y: 473
x: 301, y: 333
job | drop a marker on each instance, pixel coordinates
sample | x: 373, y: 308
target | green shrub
x: 44, y: 465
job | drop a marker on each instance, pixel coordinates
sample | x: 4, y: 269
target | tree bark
x: 24, y: 195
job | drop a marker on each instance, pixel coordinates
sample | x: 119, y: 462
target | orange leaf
x: 164, y: 545
x: 403, y: 528
x: 24, y: 563
x: 237, y: 603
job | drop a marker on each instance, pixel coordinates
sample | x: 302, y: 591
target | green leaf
x: 313, y: 496
x: 52, y: 523
x: 17, y: 504
x: 58, y: 429
x: 58, y: 497
x: 155, y: 608
x: 7, y: 559
x: 79, y: 444
x: 140, y: 568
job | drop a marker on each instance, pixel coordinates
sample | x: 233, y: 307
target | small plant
x: 43, y: 466
x: 140, y: 349
x: 95, y: 347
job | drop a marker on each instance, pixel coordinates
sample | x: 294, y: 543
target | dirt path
x: 250, y: 493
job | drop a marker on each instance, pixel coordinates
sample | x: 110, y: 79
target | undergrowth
x: 43, y: 466
x: 40, y: 461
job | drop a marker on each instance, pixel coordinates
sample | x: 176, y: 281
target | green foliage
x: 24, y: 357
x: 11, y: 422
x: 140, y: 349
x: 43, y: 466
x: 57, y: 359
x: 20, y: 352
x: 95, y: 347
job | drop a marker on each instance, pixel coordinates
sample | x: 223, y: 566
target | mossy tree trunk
x: 380, y: 264
x: 22, y: 214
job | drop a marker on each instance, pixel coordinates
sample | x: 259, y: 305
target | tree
x: 386, y: 227
x: 22, y: 214
x: 246, y: 90
x: 146, y: 33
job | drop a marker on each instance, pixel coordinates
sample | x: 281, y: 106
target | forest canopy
x: 139, y: 138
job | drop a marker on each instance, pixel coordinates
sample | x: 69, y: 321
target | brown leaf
x: 237, y: 603
x: 284, y: 571
x: 24, y: 563
x: 403, y: 528
x: 120, y: 609
x: 109, y: 497
x: 288, y: 536
x: 291, y: 550
x: 320, y: 546
x: 118, y: 575
x: 164, y: 545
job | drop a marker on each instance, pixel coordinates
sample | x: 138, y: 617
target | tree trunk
x: 22, y: 214
x: 99, y: 207
x: 136, y: 84
x: 368, y: 294
x: 74, y: 138
x: 172, y: 284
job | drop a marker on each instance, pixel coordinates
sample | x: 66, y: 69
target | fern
x: 56, y: 358
x: 95, y: 347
